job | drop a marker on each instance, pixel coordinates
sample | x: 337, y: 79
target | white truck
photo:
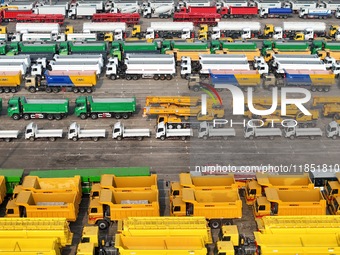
x: 32, y: 132
x: 266, y: 4
x: 206, y: 131
x: 50, y: 9
x: 9, y: 135
x: 79, y: 58
x: 52, y: 28
x: 98, y: 5
x: 234, y: 3
x: 163, y: 10
x: 17, y: 59
x: 75, y: 133
x: 119, y: 132
x: 117, y: 28
x: 122, y: 6
x: 244, y: 30
x: 331, y: 5
x: 78, y: 37
x: 163, y: 132
x: 169, y: 30
x: 333, y: 130
x: 9, y: 66
x: 310, y: 29
x: 297, y: 5
x: 315, y: 13
x: 251, y: 131
x: 288, y: 57
x: 32, y: 37
x: 76, y: 66
x: 188, y: 3
x: 292, y: 132
x: 81, y: 12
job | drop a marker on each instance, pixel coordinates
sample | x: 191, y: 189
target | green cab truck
x: 21, y: 107
x: 87, y: 106
x: 321, y: 45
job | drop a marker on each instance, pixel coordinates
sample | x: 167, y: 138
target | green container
x: 92, y: 175
x: 87, y: 47
x: 291, y: 46
x: 87, y: 105
x: 333, y: 46
x: 21, y: 105
x: 13, y: 177
x: 139, y: 46
x: 173, y: 45
x: 38, y: 48
x: 239, y: 46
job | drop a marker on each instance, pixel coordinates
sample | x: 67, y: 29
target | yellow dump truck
x: 165, y: 226
x: 217, y: 206
x: 109, y: 181
x: 10, y: 81
x: 298, y: 224
x: 89, y: 241
x: 118, y: 205
x: 186, y: 180
x: 32, y: 228
x: 273, y: 244
x: 332, y: 189
x: 255, y: 188
x: 334, y: 206
x: 43, y: 205
x: 51, y: 185
x: 290, y: 202
x: 29, y: 246
x: 331, y: 110
x: 3, y: 189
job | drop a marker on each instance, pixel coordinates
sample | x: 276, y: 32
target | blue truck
x: 276, y: 13
x: 55, y: 81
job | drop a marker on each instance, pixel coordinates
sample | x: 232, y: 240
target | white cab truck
x: 292, y: 132
x: 98, y: 5
x: 251, y: 132
x: 163, y: 132
x: 122, y: 6
x: 81, y: 12
x: 119, y: 132
x: 50, y: 9
x: 75, y: 133
x: 297, y: 5
x: 32, y: 37
x: 331, y: 5
x: 160, y: 10
x: 52, y: 28
x: 32, y: 133
x: 169, y: 30
x: 245, y: 30
x: 8, y: 135
x: 188, y: 3
x: 234, y: 3
x: 315, y: 13
x: 117, y: 28
x: 333, y: 130
x: 267, y: 4
x: 309, y: 29
x: 207, y: 130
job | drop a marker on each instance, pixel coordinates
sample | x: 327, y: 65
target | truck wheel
x: 1, y: 90
x: 285, y: 17
x: 292, y: 137
x: 95, y: 139
x: 94, y: 116
x: 52, y: 139
x: 196, y: 88
x: 27, y: 116
x: 271, y: 137
x: 117, y: 116
x: 32, y: 138
x: 183, y: 138
x: 8, y: 140
x: 162, y: 77
x: 112, y: 77
x: 57, y: 117
x: 168, y: 77
x: 50, y: 117
x: 205, y: 137
x: 15, y: 117
x: 162, y: 138
x: 265, y: 16
x: 326, y: 89
x: 55, y: 90
x: 103, y: 224
x: 251, y: 137
x: 334, y: 137
x: 319, y: 89
x: 89, y: 90
x: 135, y: 77
x: 83, y: 116
x: 313, y: 89
x: 119, y: 138
x: 225, y: 16
x: 156, y: 77
x: 75, y: 139
x: 125, y: 116
x: 312, y: 137
x: 7, y: 90
x: 82, y: 90
x: 13, y: 90
x: 128, y: 77
x: 140, y: 138
x: 32, y: 90
x: 48, y: 90
x: 214, y: 224
x: 75, y: 90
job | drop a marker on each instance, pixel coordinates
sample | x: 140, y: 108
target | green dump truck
x: 87, y: 106
x: 19, y: 107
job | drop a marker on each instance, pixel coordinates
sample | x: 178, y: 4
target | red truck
x: 41, y: 18
x: 128, y: 18
x: 197, y: 9
x: 239, y: 12
x: 211, y: 19
x: 10, y: 15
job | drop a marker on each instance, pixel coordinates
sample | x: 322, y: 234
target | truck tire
x: 117, y: 116
x: 32, y: 138
x: 52, y: 139
x: 162, y: 77
x: 326, y: 89
x: 83, y: 116
x: 103, y: 224
x: 196, y: 88
x: 271, y: 137
x: 82, y: 90
x: 50, y: 117
x: 95, y: 139
x: 168, y: 77
x: 251, y: 137
x: 48, y: 90
x: 27, y: 116
x: 89, y: 90
x: 292, y: 137
x: 334, y: 137
x: 75, y: 90
x: 1, y: 90
x: 8, y: 140
x: 119, y: 138
x: 319, y: 89
x: 215, y: 224
x: 183, y: 138
x: 7, y: 90
x: 162, y: 138
x: 125, y: 116
x: 75, y: 139
x: 140, y: 138
x: 55, y: 90
x: 135, y: 77
x: 13, y: 90
x: 128, y: 77
x: 312, y: 137
x: 113, y: 77
x: 32, y: 90
x: 205, y: 137
x: 156, y: 77
x: 225, y: 16
x: 57, y: 117
x: 94, y: 116
x: 15, y: 116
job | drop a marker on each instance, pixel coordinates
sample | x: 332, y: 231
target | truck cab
x: 262, y: 207
x: 253, y: 191
x: 332, y: 188
x: 333, y: 130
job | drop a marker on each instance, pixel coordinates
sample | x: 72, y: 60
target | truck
x: 289, y: 57
x: 53, y: 28
x: 10, y: 81
x: 161, y: 10
x: 75, y: 133
x: 318, y: 13
x: 297, y: 5
x: 170, y: 30
x: 43, y: 205
x: 219, y: 207
x: 32, y: 133
x: 206, y: 131
x: 81, y: 12
x: 252, y: 131
x: 290, y: 202
x: 268, y: 47
x: 239, y: 78
x: 333, y: 130
x: 128, y: 18
x: 331, y: 5
x: 87, y: 106
x: 9, y: 135
x: 236, y: 30
x: 56, y: 81
x: 41, y: 18
x: 81, y: 67
x: 293, y: 132
x: 80, y: 57
x: 209, y: 19
x: 163, y: 132
x: 318, y: 28
x: 119, y: 132
x: 117, y: 205
x: 50, y: 9
x: 255, y: 188
x: 241, y: 12
x: 276, y: 13
x: 115, y: 30
x: 19, y: 107
x: 11, y: 15
x: 299, y: 65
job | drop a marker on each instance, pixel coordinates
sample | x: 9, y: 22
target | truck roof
x: 9, y: 73
x: 310, y: 195
x: 294, y: 71
x: 57, y: 72
x: 113, y: 100
x: 45, y: 101
x: 233, y: 71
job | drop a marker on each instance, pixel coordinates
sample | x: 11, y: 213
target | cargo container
x: 11, y: 15
x: 104, y: 107
x: 37, y: 108
x: 210, y: 19
x: 40, y: 228
x: 30, y: 246
x: 56, y: 81
x: 43, y: 205
x: 290, y: 202
x: 217, y: 206
x: 41, y: 18
x: 255, y: 188
x: 118, y: 205
x: 10, y: 81
x: 128, y: 18
x: 239, y: 78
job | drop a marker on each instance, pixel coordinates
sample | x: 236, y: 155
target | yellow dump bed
x: 36, y: 228
x: 208, y: 182
x: 29, y: 247
x: 285, y: 181
x: 109, y: 181
x: 10, y: 78
x: 128, y: 245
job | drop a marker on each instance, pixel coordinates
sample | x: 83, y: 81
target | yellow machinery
x: 325, y: 100
x: 332, y: 189
x: 332, y: 110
